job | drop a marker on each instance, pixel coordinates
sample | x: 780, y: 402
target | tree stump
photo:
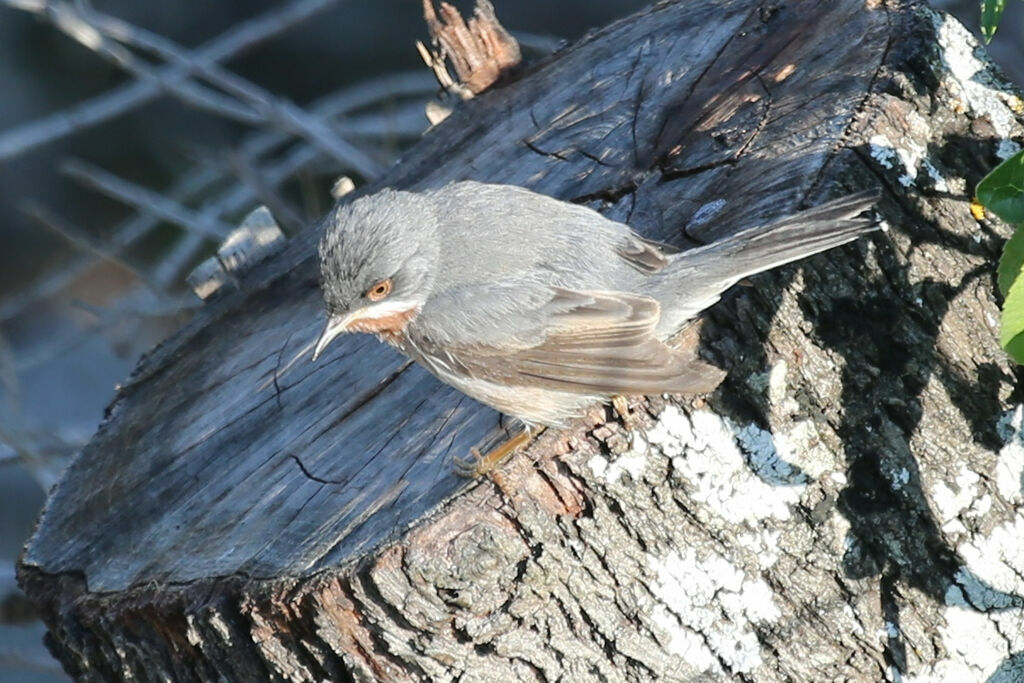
x: 847, y: 506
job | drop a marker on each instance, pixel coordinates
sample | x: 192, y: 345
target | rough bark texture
x: 847, y: 506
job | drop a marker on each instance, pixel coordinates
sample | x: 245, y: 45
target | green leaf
x: 991, y: 12
x: 1011, y: 330
x: 1015, y: 349
x: 1002, y: 190
x: 1011, y: 262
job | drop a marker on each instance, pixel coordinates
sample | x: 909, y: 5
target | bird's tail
x: 695, y: 279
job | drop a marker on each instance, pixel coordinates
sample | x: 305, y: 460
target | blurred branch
x: 83, y: 240
x: 404, y: 122
x: 141, y: 307
x: 9, y: 376
x: 236, y: 198
x: 95, y: 29
x: 264, y: 188
x: 66, y: 18
x: 123, y: 235
x: 389, y: 86
x: 144, y: 199
x: 130, y: 308
x: 124, y: 98
x: 239, y: 196
x: 41, y: 453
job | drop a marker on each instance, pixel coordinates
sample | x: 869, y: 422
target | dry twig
x: 132, y: 95
x: 144, y: 200
x: 480, y: 50
x: 85, y: 241
x: 236, y: 198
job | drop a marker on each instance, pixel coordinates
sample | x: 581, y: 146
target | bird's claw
x: 481, y: 464
x: 469, y: 467
x: 621, y: 406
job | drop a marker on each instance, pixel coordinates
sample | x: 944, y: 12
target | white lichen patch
x: 950, y: 499
x: 959, y: 492
x: 909, y: 158
x: 598, y: 464
x: 885, y: 154
x: 938, y: 182
x: 1010, y: 466
x: 736, y: 471
x: 968, y: 76
x: 777, y: 388
x: 763, y: 544
x: 997, y: 560
x: 856, y: 627
x: 978, y: 642
x: 974, y: 644
x: 707, y: 607
x: 983, y: 621
x: 894, y: 158
x: 632, y: 462
x: 962, y: 499
x: 801, y: 446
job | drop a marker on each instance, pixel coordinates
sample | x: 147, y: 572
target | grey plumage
x: 536, y: 306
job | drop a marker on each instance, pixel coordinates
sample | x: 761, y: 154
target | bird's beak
x: 340, y: 324
x: 336, y: 326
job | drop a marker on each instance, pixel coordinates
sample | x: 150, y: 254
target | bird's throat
x: 389, y: 328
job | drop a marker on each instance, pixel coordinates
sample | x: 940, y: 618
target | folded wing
x: 586, y: 342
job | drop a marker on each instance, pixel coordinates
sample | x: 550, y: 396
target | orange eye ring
x: 379, y: 290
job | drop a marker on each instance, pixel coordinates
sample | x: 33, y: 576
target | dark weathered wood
x: 848, y: 505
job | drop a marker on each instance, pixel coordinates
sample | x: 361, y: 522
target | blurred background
x: 119, y: 173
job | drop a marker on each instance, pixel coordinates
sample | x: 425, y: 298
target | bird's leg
x: 621, y: 406
x: 478, y: 465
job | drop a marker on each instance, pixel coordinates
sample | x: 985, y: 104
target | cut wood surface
x: 847, y: 506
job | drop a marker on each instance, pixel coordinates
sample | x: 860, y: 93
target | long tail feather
x: 695, y: 279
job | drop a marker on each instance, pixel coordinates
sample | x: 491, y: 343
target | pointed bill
x: 383, y: 316
x: 336, y: 325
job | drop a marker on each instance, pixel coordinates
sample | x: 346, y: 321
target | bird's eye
x: 379, y: 290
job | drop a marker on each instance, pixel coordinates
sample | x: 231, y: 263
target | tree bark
x: 847, y: 506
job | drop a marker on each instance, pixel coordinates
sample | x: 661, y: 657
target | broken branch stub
x: 254, y: 240
x: 480, y: 50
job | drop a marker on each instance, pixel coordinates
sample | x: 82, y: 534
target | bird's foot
x: 621, y: 406
x: 481, y: 464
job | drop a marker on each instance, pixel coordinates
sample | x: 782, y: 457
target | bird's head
x: 378, y: 258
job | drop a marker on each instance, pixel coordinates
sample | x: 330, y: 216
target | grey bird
x: 539, y: 307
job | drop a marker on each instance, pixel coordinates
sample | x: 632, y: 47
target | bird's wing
x: 644, y: 255
x: 586, y: 342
